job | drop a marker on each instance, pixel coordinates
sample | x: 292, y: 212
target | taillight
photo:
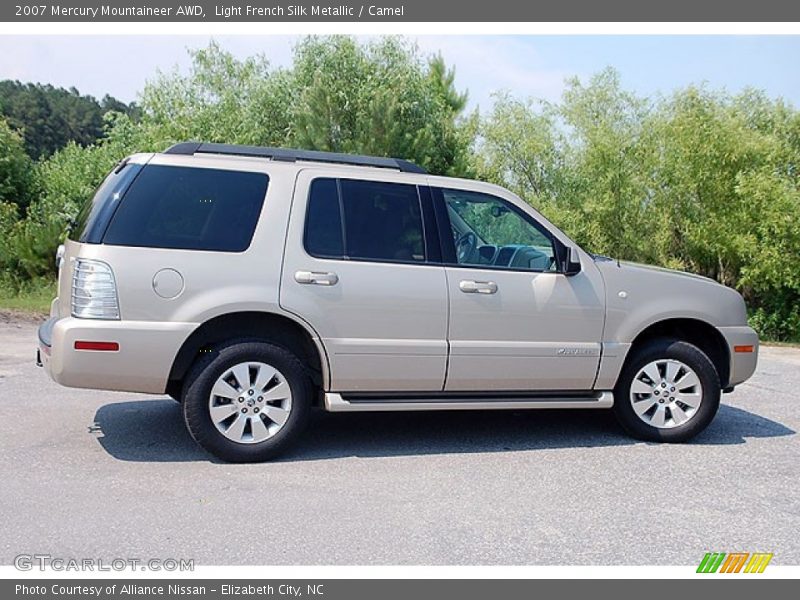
x: 94, y: 291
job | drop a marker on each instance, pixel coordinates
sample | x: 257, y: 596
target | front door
x: 516, y: 322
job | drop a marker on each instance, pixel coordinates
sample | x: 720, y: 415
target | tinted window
x: 94, y: 215
x: 323, y: 236
x: 487, y: 231
x: 189, y: 208
x: 382, y: 221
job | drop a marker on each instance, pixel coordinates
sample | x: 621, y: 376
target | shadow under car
x: 152, y: 430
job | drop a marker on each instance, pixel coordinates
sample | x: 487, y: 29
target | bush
x: 28, y: 295
x: 699, y: 181
x: 16, y: 183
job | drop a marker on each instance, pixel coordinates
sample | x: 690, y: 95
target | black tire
x: 692, y: 357
x: 202, y: 377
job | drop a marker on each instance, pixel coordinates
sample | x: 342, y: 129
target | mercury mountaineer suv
x: 251, y: 284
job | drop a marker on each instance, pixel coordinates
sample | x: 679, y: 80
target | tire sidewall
x: 203, y: 376
x: 691, y: 356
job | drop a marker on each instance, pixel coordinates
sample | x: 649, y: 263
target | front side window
x: 364, y: 220
x: 190, y: 209
x: 489, y: 232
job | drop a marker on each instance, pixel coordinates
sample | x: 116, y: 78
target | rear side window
x: 93, y: 218
x: 189, y: 208
x: 324, y: 236
x: 364, y: 220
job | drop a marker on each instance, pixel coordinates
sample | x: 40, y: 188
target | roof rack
x: 288, y: 155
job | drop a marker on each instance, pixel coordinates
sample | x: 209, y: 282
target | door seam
x: 447, y: 329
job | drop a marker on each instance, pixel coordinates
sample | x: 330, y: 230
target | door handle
x: 316, y: 278
x: 478, y: 287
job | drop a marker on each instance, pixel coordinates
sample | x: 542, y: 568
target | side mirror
x: 572, y: 261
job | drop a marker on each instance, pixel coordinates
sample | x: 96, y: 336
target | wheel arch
x: 276, y: 328
x: 694, y: 331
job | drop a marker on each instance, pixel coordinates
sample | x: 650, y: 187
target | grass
x: 780, y: 344
x: 31, y: 297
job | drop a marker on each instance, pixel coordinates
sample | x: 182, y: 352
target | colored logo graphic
x: 734, y: 562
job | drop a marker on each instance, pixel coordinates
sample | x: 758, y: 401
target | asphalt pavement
x: 110, y: 475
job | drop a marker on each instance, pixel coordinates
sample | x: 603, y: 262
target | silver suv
x: 251, y: 284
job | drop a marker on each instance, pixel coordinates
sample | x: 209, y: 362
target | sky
x: 526, y: 66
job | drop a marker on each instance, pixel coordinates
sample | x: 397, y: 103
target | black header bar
x: 403, y: 11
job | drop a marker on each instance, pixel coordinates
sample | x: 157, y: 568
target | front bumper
x: 743, y: 363
x: 142, y: 363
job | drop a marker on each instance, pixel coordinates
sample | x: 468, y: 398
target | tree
x: 49, y: 117
x: 522, y: 146
x: 443, y: 81
x: 583, y: 162
x: 698, y: 180
x: 338, y: 95
x: 221, y: 99
x: 379, y: 98
x: 16, y: 168
x: 727, y: 184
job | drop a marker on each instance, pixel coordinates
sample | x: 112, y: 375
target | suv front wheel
x: 247, y: 402
x: 668, y: 392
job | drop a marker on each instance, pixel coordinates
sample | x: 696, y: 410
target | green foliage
x: 221, y: 99
x: 27, y: 295
x: 67, y: 180
x: 699, y: 181
x: 378, y: 98
x: 16, y: 184
x: 49, y: 117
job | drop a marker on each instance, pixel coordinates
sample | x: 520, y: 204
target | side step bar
x: 336, y: 403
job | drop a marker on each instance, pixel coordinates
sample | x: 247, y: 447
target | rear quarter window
x: 93, y: 218
x: 189, y: 208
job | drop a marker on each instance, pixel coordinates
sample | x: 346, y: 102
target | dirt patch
x: 13, y: 317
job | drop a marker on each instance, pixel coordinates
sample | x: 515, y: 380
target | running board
x: 336, y: 403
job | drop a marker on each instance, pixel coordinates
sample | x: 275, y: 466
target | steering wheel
x: 466, y: 245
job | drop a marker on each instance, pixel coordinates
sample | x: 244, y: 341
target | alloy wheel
x: 250, y: 402
x: 666, y: 393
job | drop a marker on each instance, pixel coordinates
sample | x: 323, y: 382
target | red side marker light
x: 101, y: 346
x: 743, y: 348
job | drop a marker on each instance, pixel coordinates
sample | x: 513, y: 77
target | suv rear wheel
x: 247, y: 402
x: 668, y: 392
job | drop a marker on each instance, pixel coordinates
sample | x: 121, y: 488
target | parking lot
x: 99, y: 474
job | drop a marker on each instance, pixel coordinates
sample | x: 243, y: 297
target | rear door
x: 362, y: 268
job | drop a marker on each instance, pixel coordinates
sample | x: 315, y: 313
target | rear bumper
x: 146, y: 351
x: 743, y: 362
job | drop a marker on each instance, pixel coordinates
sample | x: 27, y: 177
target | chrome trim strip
x: 335, y: 403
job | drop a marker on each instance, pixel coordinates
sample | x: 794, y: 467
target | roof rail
x: 288, y: 155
